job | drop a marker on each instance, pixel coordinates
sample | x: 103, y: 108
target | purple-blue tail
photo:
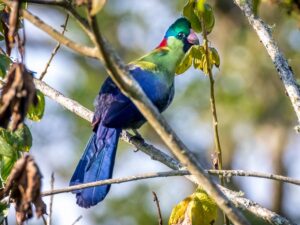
x: 96, y: 163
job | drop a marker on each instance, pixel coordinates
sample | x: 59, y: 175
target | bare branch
x: 257, y: 210
x: 69, y: 104
x: 285, y: 72
x: 242, y: 173
x: 224, y: 173
x: 82, y: 49
x: 115, y: 181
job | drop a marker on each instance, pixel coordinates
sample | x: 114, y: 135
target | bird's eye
x: 181, y: 35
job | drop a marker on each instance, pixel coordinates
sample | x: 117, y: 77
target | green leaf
x: 189, y: 13
x: 204, y: 11
x: 178, y: 212
x: 7, y: 164
x: 205, y: 66
x: 4, y: 208
x: 2, y: 6
x: 22, y: 138
x: 97, y: 5
x: 5, y: 148
x: 197, y: 209
x: 24, y: 5
x: 200, y: 61
x: 4, y: 64
x: 197, y: 51
x: 36, y: 112
x: 185, y: 63
x: 214, y: 57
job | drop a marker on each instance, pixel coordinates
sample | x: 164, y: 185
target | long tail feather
x: 96, y: 163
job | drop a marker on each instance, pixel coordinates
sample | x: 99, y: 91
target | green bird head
x: 180, y: 35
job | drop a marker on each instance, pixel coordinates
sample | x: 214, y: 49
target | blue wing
x: 114, y: 109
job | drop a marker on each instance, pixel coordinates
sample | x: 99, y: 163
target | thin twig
x: 224, y: 173
x: 241, y: 173
x: 212, y: 100
x: 49, y: 222
x: 155, y: 199
x: 77, y: 220
x: 55, y: 50
x: 218, y: 149
x: 285, y: 72
x: 115, y: 181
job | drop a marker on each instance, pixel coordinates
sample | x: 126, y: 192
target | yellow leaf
x: 97, y: 5
x: 185, y: 63
x: 204, y: 208
x: 205, y: 12
x: 214, y: 57
x: 198, y: 64
x: 188, y: 12
x: 197, y: 209
x: 178, y: 212
x: 197, y: 51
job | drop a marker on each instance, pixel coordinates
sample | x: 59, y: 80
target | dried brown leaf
x: 18, y: 93
x: 24, y: 188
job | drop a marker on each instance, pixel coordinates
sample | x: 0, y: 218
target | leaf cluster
x: 18, y: 99
x: 197, y: 56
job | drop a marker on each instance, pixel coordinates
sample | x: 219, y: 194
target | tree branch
x: 158, y: 155
x: 254, y: 208
x: 284, y: 70
x: 224, y: 173
x: 115, y: 181
x: 79, y: 48
x: 242, y: 173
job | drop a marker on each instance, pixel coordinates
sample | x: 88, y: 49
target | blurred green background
x: 256, y: 119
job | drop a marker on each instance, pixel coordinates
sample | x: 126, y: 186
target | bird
x: 155, y: 73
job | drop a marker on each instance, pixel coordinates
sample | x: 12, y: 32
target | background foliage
x: 255, y: 116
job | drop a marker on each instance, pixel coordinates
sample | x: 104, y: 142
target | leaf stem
x: 218, y: 149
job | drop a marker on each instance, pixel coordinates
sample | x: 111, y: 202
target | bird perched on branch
x: 155, y: 74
